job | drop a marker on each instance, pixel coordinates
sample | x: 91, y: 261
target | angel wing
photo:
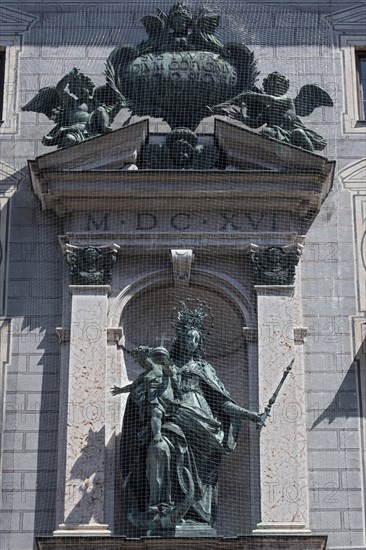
x: 245, y: 63
x: 114, y: 68
x: 122, y: 55
x: 107, y: 95
x: 163, y: 16
x: 204, y: 26
x: 206, y: 22
x: 44, y: 102
x: 309, y: 98
x: 153, y: 24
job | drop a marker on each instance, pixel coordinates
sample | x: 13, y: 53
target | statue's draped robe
x: 197, y: 431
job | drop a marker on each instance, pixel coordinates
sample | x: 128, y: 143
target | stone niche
x: 178, y: 234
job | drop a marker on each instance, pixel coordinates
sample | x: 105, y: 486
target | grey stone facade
x: 44, y: 41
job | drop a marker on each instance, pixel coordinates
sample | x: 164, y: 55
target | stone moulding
x: 114, y: 334
x: 250, y: 542
x: 251, y: 334
x: 65, y: 191
x: 155, y: 243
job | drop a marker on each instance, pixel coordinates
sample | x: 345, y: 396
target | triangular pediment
x: 112, y: 151
x: 14, y: 21
x: 354, y: 176
x: 244, y: 149
x: 248, y: 149
x: 352, y: 18
x: 105, y: 172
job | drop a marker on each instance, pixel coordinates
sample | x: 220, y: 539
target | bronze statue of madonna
x: 179, y: 421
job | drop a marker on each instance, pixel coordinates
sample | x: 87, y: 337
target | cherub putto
x: 279, y: 114
x: 79, y: 110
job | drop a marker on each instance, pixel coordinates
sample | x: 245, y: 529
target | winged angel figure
x: 79, y: 110
x: 279, y: 114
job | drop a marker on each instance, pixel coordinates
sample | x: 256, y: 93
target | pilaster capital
x: 91, y: 265
x: 274, y: 266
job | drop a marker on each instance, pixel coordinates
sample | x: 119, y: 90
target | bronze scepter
x: 268, y: 407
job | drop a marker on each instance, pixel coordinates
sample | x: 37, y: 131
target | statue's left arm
x: 235, y: 411
x: 65, y: 96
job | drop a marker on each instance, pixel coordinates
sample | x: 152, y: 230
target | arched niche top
x: 220, y: 282
x: 353, y: 176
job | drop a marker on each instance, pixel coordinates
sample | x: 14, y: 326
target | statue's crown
x: 188, y: 319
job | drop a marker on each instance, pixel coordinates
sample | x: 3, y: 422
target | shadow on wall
x: 349, y: 400
x: 34, y: 306
x: 83, y: 494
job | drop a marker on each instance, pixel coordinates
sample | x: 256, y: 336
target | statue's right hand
x: 261, y: 417
x: 116, y: 390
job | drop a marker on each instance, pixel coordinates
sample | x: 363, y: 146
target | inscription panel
x: 180, y: 221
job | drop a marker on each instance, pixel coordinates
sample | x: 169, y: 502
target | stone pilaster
x: 283, y: 467
x: 84, y: 512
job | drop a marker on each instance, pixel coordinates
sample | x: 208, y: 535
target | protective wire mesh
x: 183, y: 407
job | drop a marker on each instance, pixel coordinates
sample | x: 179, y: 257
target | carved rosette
x: 91, y: 265
x: 274, y: 266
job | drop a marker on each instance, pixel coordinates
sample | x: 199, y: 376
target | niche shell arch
x: 217, y: 281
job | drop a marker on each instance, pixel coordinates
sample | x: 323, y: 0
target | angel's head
x: 276, y: 84
x: 161, y: 356
x: 180, y: 18
x: 91, y: 257
x: 81, y: 85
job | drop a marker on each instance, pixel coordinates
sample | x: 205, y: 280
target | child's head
x: 161, y: 356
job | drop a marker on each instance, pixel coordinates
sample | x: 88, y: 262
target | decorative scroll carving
x: 274, y: 266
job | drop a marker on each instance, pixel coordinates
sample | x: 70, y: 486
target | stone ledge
x: 250, y: 542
